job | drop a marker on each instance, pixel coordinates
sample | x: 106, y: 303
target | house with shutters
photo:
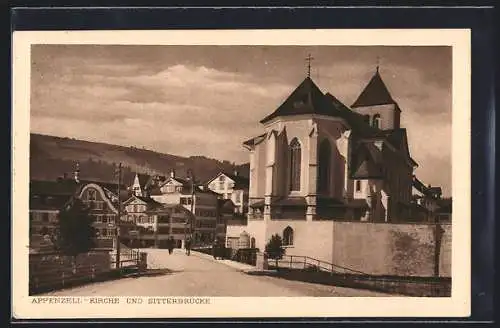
x: 233, y: 187
x: 319, y: 160
x: 48, y: 198
x: 201, y: 202
x: 154, y: 223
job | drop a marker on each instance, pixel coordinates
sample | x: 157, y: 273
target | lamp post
x: 117, y: 223
x: 191, y: 180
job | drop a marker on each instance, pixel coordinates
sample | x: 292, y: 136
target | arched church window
x: 376, y: 121
x: 295, y: 163
x: 288, y: 236
x: 325, y: 154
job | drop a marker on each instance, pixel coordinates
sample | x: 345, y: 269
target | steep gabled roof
x: 240, y: 182
x: 367, y: 162
x: 375, y: 93
x: 143, y: 179
x: 255, y: 140
x: 428, y: 191
x: 307, y: 98
x: 355, y: 120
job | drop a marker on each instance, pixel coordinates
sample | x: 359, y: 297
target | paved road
x: 198, y: 275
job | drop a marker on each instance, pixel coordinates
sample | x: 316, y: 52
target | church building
x: 319, y: 160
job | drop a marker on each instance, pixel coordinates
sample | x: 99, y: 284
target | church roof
x: 307, y: 98
x: 375, y: 93
x: 355, y: 120
x: 367, y: 162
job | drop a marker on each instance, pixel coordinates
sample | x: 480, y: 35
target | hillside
x: 52, y: 157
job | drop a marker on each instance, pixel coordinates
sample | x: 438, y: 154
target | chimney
x: 76, y: 174
x: 172, y: 173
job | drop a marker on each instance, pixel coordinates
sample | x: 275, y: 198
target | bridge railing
x: 312, y: 264
x: 128, y: 258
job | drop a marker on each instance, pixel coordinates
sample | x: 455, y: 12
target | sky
x: 207, y: 100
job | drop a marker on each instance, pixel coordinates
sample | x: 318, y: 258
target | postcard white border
x: 458, y: 305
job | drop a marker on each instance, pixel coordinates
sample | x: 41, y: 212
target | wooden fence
x: 49, y: 271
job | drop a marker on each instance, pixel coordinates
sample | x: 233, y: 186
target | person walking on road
x: 170, y: 245
x: 188, y: 246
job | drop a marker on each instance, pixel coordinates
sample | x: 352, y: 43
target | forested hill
x: 52, y: 157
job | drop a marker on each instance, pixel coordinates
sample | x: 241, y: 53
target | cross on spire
x: 378, y: 63
x: 309, y: 58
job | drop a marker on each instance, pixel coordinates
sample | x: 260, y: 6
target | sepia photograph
x: 182, y: 173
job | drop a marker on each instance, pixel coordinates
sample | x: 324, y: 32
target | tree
x: 74, y: 233
x: 274, y: 248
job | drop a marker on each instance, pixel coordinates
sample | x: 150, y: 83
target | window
x: 164, y: 230
x: 288, y: 236
x: 376, y: 121
x: 179, y: 231
x: 295, y: 163
x: 358, y: 185
x: 325, y: 153
x: 45, y: 217
x: 151, y: 220
x: 222, y: 180
x: 163, y: 219
x: 186, y: 201
x: 104, y: 219
x: 92, y: 194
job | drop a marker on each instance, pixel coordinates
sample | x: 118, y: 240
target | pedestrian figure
x: 215, y: 249
x: 170, y: 245
x: 188, y: 246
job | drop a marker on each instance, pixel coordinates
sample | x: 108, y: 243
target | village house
x: 233, y: 187
x: 155, y: 223
x: 427, y: 198
x: 48, y: 198
x: 319, y: 160
x: 202, y: 203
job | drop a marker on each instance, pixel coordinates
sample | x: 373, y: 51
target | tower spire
x: 378, y: 63
x: 309, y: 58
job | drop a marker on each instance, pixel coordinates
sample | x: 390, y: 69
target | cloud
x: 192, y: 103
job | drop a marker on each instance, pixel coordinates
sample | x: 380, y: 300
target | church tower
x: 377, y: 106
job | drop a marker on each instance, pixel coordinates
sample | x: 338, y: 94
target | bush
x: 274, y: 248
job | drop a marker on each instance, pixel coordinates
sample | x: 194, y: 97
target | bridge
x: 201, y: 275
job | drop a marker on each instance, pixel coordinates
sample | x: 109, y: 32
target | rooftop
x: 375, y: 93
x: 307, y: 98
